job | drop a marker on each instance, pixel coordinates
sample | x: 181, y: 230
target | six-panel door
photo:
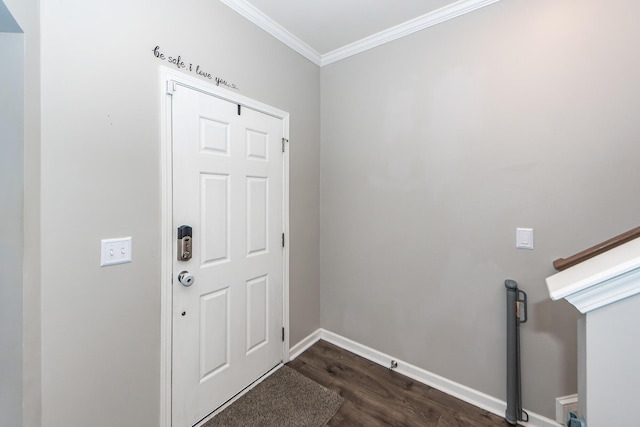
x: 227, y: 185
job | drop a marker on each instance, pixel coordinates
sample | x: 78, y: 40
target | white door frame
x: 170, y: 80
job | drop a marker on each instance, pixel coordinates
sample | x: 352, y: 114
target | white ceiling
x: 326, y: 31
x: 327, y: 25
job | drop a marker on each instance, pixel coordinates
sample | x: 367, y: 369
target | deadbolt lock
x: 184, y: 243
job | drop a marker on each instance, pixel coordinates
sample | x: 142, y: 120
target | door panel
x: 257, y: 312
x: 214, y: 329
x: 213, y: 236
x: 228, y: 186
x: 257, y: 145
x: 257, y: 214
x: 214, y: 136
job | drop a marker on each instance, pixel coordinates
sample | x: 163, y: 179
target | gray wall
x: 11, y: 213
x: 101, y: 179
x: 435, y: 147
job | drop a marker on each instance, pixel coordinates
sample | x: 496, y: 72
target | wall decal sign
x: 182, y: 64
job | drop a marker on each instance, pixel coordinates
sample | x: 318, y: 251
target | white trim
x: 452, y: 388
x: 601, y: 280
x: 303, y: 345
x: 430, y: 19
x: 180, y: 79
x: 462, y: 392
x: 427, y: 20
x: 166, y: 266
x: 254, y: 15
x: 565, y: 404
x: 606, y: 293
x: 286, y: 250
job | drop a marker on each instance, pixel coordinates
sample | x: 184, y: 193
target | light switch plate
x: 524, y: 238
x: 115, y: 251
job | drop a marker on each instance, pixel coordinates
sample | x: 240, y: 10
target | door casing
x: 169, y: 80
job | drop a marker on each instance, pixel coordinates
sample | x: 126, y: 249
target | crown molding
x: 601, y: 280
x: 461, y: 7
x: 430, y: 19
x: 254, y: 15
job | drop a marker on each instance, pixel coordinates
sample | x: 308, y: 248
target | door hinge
x: 284, y: 141
x: 283, y: 334
x: 283, y: 240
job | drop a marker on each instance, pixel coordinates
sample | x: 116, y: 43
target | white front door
x: 228, y: 187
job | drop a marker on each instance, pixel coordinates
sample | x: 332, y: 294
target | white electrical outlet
x: 115, y: 251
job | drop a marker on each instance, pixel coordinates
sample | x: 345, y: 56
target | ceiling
x: 326, y: 25
x: 329, y: 30
x: 7, y: 23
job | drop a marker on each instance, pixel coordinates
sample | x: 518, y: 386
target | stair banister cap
x: 592, y: 272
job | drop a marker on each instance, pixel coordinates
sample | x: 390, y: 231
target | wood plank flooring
x: 377, y: 396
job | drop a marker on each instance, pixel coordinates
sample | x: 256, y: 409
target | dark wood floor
x: 377, y: 396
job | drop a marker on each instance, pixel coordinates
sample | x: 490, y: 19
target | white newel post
x: 606, y: 290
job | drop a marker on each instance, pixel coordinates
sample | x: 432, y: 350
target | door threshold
x: 239, y: 395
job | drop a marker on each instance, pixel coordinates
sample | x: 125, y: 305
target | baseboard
x: 303, y: 345
x: 462, y: 392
